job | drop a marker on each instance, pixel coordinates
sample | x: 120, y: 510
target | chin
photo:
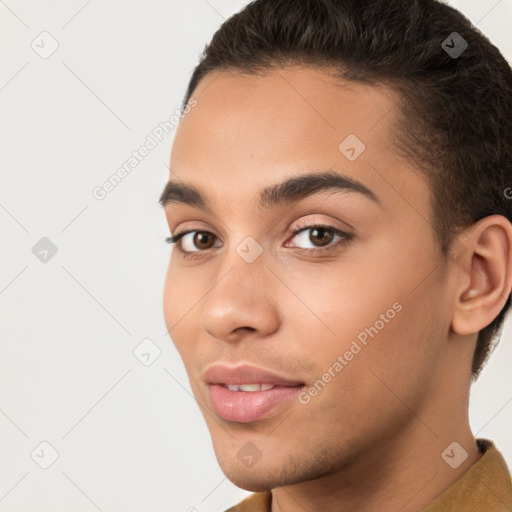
x: 250, y: 480
x: 254, y: 478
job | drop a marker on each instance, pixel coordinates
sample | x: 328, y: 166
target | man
x: 338, y: 200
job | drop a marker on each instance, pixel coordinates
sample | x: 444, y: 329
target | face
x: 335, y: 285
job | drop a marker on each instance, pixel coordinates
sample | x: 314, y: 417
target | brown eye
x: 193, y: 241
x: 203, y: 240
x: 318, y: 238
x: 321, y: 235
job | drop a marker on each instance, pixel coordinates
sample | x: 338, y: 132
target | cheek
x: 338, y: 302
x: 360, y: 388
x: 383, y: 315
x: 179, y: 299
x: 182, y: 290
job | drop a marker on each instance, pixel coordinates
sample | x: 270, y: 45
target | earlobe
x: 487, y: 275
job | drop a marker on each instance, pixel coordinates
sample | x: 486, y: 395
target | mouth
x: 250, y: 388
x: 246, y: 393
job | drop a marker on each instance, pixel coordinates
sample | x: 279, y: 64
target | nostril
x: 250, y: 329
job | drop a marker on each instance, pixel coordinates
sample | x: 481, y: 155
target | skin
x: 372, y: 438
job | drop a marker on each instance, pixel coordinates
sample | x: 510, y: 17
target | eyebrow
x: 292, y: 190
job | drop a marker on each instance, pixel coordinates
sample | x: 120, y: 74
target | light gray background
x: 129, y: 437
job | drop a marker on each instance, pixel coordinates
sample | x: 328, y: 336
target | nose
x: 242, y: 301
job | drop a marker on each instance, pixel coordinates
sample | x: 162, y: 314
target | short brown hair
x: 456, y: 100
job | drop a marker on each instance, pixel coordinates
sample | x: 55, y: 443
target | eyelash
x: 302, y: 226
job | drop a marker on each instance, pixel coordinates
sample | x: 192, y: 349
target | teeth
x: 251, y: 387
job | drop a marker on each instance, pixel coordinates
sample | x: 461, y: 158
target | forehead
x: 249, y: 131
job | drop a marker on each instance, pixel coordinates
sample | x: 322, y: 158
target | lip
x: 248, y: 406
x: 246, y: 374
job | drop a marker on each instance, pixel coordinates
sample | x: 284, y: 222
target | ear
x: 486, y: 274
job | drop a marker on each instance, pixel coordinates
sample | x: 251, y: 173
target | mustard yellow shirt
x: 486, y: 487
